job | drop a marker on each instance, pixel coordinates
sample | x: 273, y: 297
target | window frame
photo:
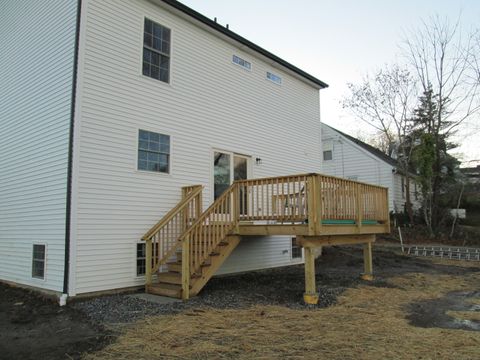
x: 275, y: 75
x: 142, y: 46
x: 144, y: 244
x: 36, y: 278
x: 241, y: 66
x: 137, y: 145
x: 331, y: 155
x: 294, y: 246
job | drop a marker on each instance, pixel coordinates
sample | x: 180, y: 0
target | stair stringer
x: 197, y: 283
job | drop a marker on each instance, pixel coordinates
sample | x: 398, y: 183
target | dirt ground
x: 415, y: 308
x: 32, y: 327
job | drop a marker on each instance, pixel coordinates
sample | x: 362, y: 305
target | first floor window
x: 38, y: 261
x: 296, y: 250
x: 153, y: 151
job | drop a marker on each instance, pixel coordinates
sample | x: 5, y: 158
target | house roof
x: 214, y: 25
x: 371, y: 149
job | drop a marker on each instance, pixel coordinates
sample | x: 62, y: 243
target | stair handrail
x: 194, y: 249
x: 189, y: 206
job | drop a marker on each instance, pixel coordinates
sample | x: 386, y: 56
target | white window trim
x: 135, y: 260
x: 40, y: 280
x: 153, y: 173
x: 291, y: 252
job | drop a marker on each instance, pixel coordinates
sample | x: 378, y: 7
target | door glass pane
x: 221, y: 173
x: 240, y: 173
x: 240, y: 168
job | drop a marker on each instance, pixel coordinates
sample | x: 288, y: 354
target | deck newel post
x: 236, y: 206
x: 148, y: 262
x: 311, y: 295
x: 318, y: 203
x: 186, y: 268
x: 311, y: 206
x: 198, y: 206
x: 359, y: 207
x: 367, y: 262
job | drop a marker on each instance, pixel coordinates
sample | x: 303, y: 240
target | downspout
x: 63, y: 298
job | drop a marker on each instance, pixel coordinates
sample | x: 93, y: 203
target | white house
x: 108, y: 108
x: 347, y: 157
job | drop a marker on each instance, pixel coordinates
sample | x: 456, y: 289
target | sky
x: 340, y: 41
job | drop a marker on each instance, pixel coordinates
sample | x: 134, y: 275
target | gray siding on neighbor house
x: 210, y: 103
x: 37, y: 41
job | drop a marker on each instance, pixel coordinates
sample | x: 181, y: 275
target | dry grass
x: 367, y: 323
x: 465, y: 315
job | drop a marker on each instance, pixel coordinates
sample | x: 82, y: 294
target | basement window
x: 142, y: 257
x: 241, y: 62
x: 296, y: 250
x: 153, y: 151
x: 38, y: 261
x: 156, y: 51
x: 274, y: 78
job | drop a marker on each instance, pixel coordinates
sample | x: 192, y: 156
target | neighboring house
x: 108, y: 108
x: 472, y: 174
x: 347, y: 157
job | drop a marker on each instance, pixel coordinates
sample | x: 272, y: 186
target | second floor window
x: 156, y: 51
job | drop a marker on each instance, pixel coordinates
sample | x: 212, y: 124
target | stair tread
x: 167, y: 286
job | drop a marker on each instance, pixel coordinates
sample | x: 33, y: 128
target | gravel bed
x: 337, y: 269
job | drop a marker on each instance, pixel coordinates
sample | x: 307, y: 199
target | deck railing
x: 311, y: 198
x: 163, y: 239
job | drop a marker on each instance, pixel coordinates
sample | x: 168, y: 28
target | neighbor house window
x: 38, y: 261
x: 416, y: 191
x: 296, y: 250
x: 275, y: 78
x: 327, y: 155
x: 142, y: 258
x: 243, y: 63
x: 156, y: 51
x: 153, y: 151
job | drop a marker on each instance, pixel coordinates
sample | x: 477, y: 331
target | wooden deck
x: 319, y: 210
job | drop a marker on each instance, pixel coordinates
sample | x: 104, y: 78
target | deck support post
x: 311, y: 295
x: 186, y: 269
x: 148, y: 262
x: 367, y: 262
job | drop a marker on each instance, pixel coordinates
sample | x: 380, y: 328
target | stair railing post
x: 148, y: 262
x: 186, y: 268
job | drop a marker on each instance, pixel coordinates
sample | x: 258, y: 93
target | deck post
x: 236, y: 207
x: 148, y: 262
x: 367, y: 262
x: 186, y: 268
x: 311, y: 295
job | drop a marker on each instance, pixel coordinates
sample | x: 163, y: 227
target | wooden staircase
x: 170, y: 282
x: 187, y: 246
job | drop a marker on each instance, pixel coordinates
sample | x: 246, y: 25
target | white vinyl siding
x: 219, y: 106
x: 37, y: 40
x: 350, y: 160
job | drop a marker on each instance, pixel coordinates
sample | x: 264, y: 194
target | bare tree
x: 387, y: 103
x: 446, y: 62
